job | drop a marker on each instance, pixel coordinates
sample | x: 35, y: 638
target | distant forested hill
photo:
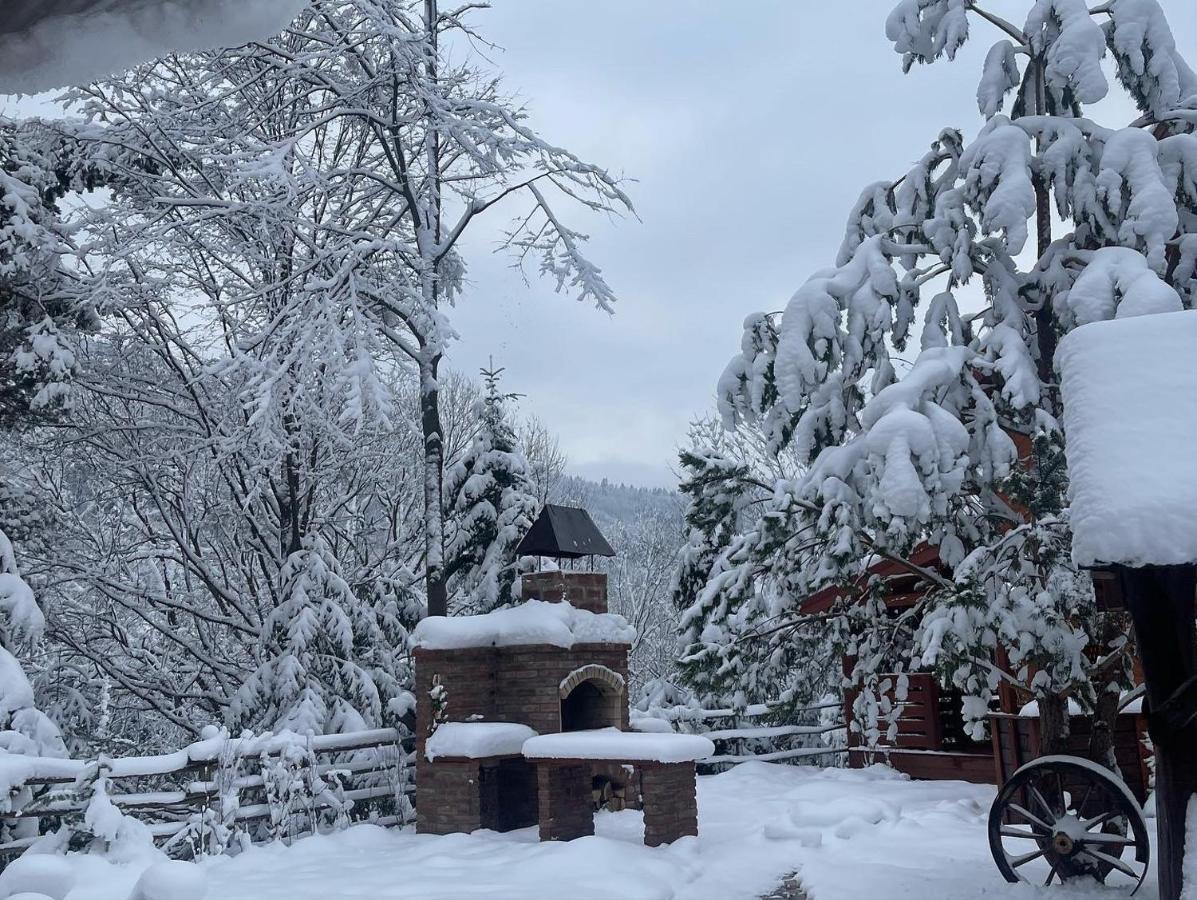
x: 645, y: 526
x: 609, y: 502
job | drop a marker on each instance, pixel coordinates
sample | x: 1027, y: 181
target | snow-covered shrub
x: 24, y: 729
x: 328, y: 660
x: 120, y: 836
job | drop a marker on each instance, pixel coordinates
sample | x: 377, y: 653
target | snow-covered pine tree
x: 716, y: 488
x: 24, y: 728
x: 42, y: 301
x: 735, y: 645
x: 328, y: 661
x: 490, y: 503
x: 932, y: 459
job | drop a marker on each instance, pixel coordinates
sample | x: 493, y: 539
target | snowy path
x: 851, y: 835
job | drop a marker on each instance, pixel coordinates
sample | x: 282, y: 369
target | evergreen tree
x: 490, y: 502
x: 43, y: 300
x: 329, y: 661
x: 24, y: 728
x: 716, y: 488
x: 897, y: 465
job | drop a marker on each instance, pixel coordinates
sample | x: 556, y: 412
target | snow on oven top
x: 619, y: 746
x: 531, y: 622
x: 477, y: 740
x: 1130, y: 419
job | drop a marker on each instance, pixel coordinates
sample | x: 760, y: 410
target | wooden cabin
x: 931, y: 742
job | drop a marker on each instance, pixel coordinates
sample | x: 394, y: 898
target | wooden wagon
x: 1016, y: 742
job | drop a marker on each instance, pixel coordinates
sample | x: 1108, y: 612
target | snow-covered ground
x: 851, y: 835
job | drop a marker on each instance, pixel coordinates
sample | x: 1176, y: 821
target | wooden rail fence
x: 260, y: 787
x: 220, y: 790
x: 743, y: 741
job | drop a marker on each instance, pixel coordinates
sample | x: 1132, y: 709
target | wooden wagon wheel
x: 1078, y: 817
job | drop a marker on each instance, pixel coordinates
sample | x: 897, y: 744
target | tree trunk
x: 1101, y: 739
x: 1105, y: 715
x: 434, y: 467
x: 1045, y: 325
x: 1045, y: 320
x: 430, y: 412
x: 1053, y: 724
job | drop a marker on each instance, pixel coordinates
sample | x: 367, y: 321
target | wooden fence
x: 270, y: 787
x: 264, y: 788
x: 742, y: 740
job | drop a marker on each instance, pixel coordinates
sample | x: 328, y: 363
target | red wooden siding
x: 918, y: 749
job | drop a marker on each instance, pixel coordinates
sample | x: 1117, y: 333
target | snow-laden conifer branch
x: 950, y: 478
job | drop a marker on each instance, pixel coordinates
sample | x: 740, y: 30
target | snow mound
x: 651, y: 725
x: 622, y: 746
x: 1130, y: 417
x: 37, y: 875
x: 532, y: 622
x: 171, y: 880
x: 57, y: 50
x: 476, y: 740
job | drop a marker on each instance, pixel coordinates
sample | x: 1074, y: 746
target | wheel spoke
x: 1100, y: 837
x: 1050, y: 873
x: 1099, y: 819
x: 1030, y: 817
x: 1112, y: 861
x: 1042, y: 801
x: 1016, y: 861
x: 1080, y: 810
x: 1007, y: 831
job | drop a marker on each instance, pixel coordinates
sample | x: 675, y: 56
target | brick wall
x: 528, y: 680
x: 510, y: 684
x: 453, y: 794
x: 585, y: 590
x: 670, y: 804
x: 563, y: 795
x: 468, y: 677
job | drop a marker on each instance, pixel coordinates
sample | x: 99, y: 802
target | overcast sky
x: 749, y: 130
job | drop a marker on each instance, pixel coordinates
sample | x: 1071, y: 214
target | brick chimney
x: 584, y: 590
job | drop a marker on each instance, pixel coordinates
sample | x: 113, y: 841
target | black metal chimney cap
x: 564, y: 532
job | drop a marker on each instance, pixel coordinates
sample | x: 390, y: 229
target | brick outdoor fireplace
x: 548, y: 688
x: 555, y: 665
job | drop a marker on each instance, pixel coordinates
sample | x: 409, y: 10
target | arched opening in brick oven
x: 592, y: 697
x: 591, y: 704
